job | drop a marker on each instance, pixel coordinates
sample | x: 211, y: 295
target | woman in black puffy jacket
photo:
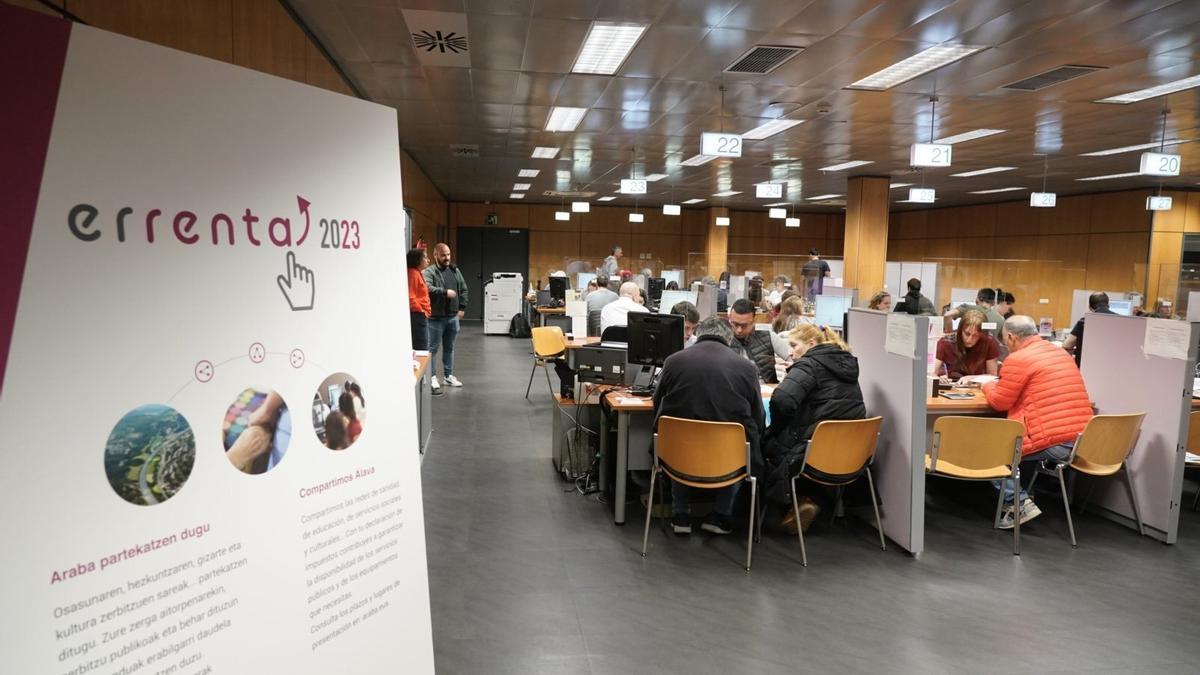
x: 821, y: 384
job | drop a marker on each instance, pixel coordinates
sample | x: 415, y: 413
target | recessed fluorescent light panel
x: 1112, y: 175
x: 1133, y: 148
x: 726, y: 193
x: 606, y: 47
x: 1152, y: 92
x: 791, y: 222
x: 982, y: 172
x: 692, y: 201
x: 671, y: 209
x: 564, y: 119
x: 654, y: 177
x: 522, y: 186
x: 968, y: 136
x: 544, y: 153
x: 562, y: 215
x: 697, y: 160
x: 580, y: 207
x: 517, y: 195
x: 900, y: 185
x: 770, y: 129
x: 846, y: 165
x: 528, y: 173
x: 992, y: 192
x: 777, y: 204
x: 777, y: 213
x: 723, y: 221
x: 914, y: 66
x: 606, y: 199
x: 637, y: 217
x: 824, y: 197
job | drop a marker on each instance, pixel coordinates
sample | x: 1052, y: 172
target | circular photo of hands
x: 339, y: 411
x: 257, y: 430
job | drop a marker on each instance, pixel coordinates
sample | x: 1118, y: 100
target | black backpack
x: 519, y: 327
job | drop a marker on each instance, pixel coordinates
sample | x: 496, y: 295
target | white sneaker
x: 1029, y: 511
x: 453, y: 381
x: 433, y: 384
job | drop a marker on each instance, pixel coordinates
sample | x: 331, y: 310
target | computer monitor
x: 671, y: 298
x: 673, y: 275
x: 654, y: 288
x: 654, y: 337
x: 831, y: 310
x: 558, y: 289
x: 600, y: 364
x: 582, y: 279
x: 1122, y: 307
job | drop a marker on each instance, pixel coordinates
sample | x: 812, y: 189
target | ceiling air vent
x: 464, y: 150
x: 762, y: 59
x: 1052, y: 77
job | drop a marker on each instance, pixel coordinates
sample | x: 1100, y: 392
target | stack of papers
x: 1191, y: 458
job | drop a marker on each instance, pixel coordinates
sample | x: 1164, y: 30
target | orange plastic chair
x: 979, y: 448
x: 1101, y: 450
x: 549, y: 343
x: 705, y: 455
x: 840, y: 452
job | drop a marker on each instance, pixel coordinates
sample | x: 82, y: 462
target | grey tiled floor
x: 527, y: 577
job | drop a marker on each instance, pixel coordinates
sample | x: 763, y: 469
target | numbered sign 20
x: 1158, y: 164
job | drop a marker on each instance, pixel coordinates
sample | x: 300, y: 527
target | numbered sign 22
x: 720, y: 145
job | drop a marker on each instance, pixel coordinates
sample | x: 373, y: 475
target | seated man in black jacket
x: 756, y: 344
x: 712, y: 383
x: 821, y: 384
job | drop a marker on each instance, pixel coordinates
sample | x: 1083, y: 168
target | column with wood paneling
x: 865, y: 253
x: 1166, y: 249
x: 716, y: 242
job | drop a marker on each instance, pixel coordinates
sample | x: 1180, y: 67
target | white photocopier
x: 502, y: 300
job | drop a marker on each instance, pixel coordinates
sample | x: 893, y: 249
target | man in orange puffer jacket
x: 1040, y: 386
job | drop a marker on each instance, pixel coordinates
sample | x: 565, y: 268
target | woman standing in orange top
x: 418, y: 299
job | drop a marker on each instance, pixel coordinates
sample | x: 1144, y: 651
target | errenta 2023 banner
x: 207, y: 393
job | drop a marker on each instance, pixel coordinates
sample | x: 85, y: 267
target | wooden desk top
x: 551, y: 310
x: 576, y: 343
x: 977, y: 404
x: 423, y: 362
x: 621, y: 401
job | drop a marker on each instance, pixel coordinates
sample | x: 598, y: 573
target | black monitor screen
x: 558, y: 288
x: 654, y: 287
x: 654, y: 337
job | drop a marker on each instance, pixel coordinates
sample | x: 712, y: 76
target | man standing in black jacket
x: 448, y: 301
x: 710, y: 382
x: 756, y: 344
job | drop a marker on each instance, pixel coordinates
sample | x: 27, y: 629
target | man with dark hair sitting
x: 755, y: 344
x: 1098, y: 304
x: 710, y: 382
x: 691, y: 317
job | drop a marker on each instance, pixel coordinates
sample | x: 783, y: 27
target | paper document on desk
x: 901, y: 336
x: 1167, y: 338
x: 1192, y: 458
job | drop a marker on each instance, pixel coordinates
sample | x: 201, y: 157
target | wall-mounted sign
x: 720, y: 145
x: 633, y: 186
x: 929, y: 154
x: 1043, y: 200
x: 1159, y: 164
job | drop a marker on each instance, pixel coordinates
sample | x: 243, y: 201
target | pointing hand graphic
x: 297, y: 284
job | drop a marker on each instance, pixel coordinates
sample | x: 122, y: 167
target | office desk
x: 424, y: 398
x: 543, y: 311
x: 977, y: 405
x: 633, y: 423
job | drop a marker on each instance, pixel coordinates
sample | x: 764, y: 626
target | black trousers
x: 420, y: 330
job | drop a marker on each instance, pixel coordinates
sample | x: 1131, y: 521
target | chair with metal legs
x: 980, y: 448
x: 1102, y: 449
x: 840, y: 452
x: 549, y: 343
x: 705, y: 455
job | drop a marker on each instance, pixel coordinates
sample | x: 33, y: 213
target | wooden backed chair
x: 549, y: 343
x: 1193, y: 446
x: 1102, y: 449
x: 840, y: 452
x: 980, y: 449
x: 705, y: 455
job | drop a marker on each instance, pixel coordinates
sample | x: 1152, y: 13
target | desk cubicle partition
x: 1120, y: 378
x: 894, y: 386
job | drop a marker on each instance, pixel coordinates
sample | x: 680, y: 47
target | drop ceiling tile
x: 581, y: 91
x: 566, y: 9
x: 498, y: 42
x: 493, y: 86
x: 553, y: 44
x: 513, y: 7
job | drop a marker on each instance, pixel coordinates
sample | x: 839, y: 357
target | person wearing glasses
x: 755, y: 344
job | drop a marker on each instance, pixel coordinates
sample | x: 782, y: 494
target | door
x: 485, y: 250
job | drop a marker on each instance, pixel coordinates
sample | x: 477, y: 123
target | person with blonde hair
x: 969, y: 351
x: 821, y: 384
x: 881, y: 301
x: 791, y: 314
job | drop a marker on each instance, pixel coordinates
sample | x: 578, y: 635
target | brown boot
x: 808, y: 513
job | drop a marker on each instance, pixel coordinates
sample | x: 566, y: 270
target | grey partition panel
x: 894, y: 386
x: 1121, y: 379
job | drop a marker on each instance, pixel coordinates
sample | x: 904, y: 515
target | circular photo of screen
x: 257, y: 430
x: 339, y: 411
x: 150, y: 454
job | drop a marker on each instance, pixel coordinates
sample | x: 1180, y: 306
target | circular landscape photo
x: 150, y: 454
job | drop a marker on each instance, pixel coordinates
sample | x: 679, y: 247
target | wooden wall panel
x: 204, y: 27
x: 541, y: 217
x: 1121, y: 212
x: 548, y: 251
x: 35, y: 6
x: 1072, y: 215
x: 265, y: 38
x: 1112, y: 258
x: 907, y: 225
x: 663, y: 248
x: 975, y: 221
x: 320, y: 73
x: 1016, y: 218
x: 1191, y: 203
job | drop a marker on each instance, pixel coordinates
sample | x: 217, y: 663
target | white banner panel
x: 208, y: 401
